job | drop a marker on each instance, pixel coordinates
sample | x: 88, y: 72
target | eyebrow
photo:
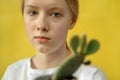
x: 31, y: 6
x: 49, y: 8
x: 56, y: 8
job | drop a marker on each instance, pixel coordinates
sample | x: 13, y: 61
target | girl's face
x: 47, y: 23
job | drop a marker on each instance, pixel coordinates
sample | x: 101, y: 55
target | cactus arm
x: 74, y: 43
x: 83, y: 43
x: 92, y: 47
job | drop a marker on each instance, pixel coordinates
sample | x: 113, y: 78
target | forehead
x: 46, y: 3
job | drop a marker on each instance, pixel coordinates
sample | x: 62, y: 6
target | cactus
x: 70, y: 65
x: 73, y: 62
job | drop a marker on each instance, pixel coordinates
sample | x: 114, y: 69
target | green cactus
x: 70, y: 65
x: 73, y: 62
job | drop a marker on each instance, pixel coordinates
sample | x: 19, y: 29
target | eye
x: 33, y: 13
x: 56, y: 14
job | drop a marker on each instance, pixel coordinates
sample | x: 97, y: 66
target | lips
x: 42, y: 38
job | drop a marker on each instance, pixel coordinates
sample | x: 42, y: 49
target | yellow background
x: 99, y: 19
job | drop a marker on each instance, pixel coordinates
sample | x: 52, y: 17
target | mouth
x: 42, y: 38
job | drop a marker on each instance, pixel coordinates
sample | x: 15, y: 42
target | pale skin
x: 47, y: 23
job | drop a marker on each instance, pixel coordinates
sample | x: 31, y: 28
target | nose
x: 42, y: 23
x: 43, y: 29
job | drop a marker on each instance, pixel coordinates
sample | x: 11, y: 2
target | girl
x: 47, y: 23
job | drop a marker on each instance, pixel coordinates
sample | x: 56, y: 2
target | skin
x: 47, y: 23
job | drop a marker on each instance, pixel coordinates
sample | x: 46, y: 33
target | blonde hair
x: 74, y: 7
x: 72, y: 4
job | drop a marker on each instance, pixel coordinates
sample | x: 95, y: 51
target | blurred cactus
x: 73, y: 62
x: 70, y: 65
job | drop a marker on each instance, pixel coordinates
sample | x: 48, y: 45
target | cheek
x: 28, y: 23
x: 28, y: 27
x: 28, y: 30
x: 61, y: 29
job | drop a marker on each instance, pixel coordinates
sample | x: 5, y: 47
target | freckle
x: 38, y: 29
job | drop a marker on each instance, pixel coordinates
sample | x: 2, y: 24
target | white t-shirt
x: 21, y: 70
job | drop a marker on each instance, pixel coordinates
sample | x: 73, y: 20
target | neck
x: 50, y: 60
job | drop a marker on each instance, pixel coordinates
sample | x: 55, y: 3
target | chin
x: 43, y: 50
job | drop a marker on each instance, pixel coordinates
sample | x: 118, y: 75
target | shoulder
x: 89, y: 72
x: 14, y: 68
x: 18, y: 64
